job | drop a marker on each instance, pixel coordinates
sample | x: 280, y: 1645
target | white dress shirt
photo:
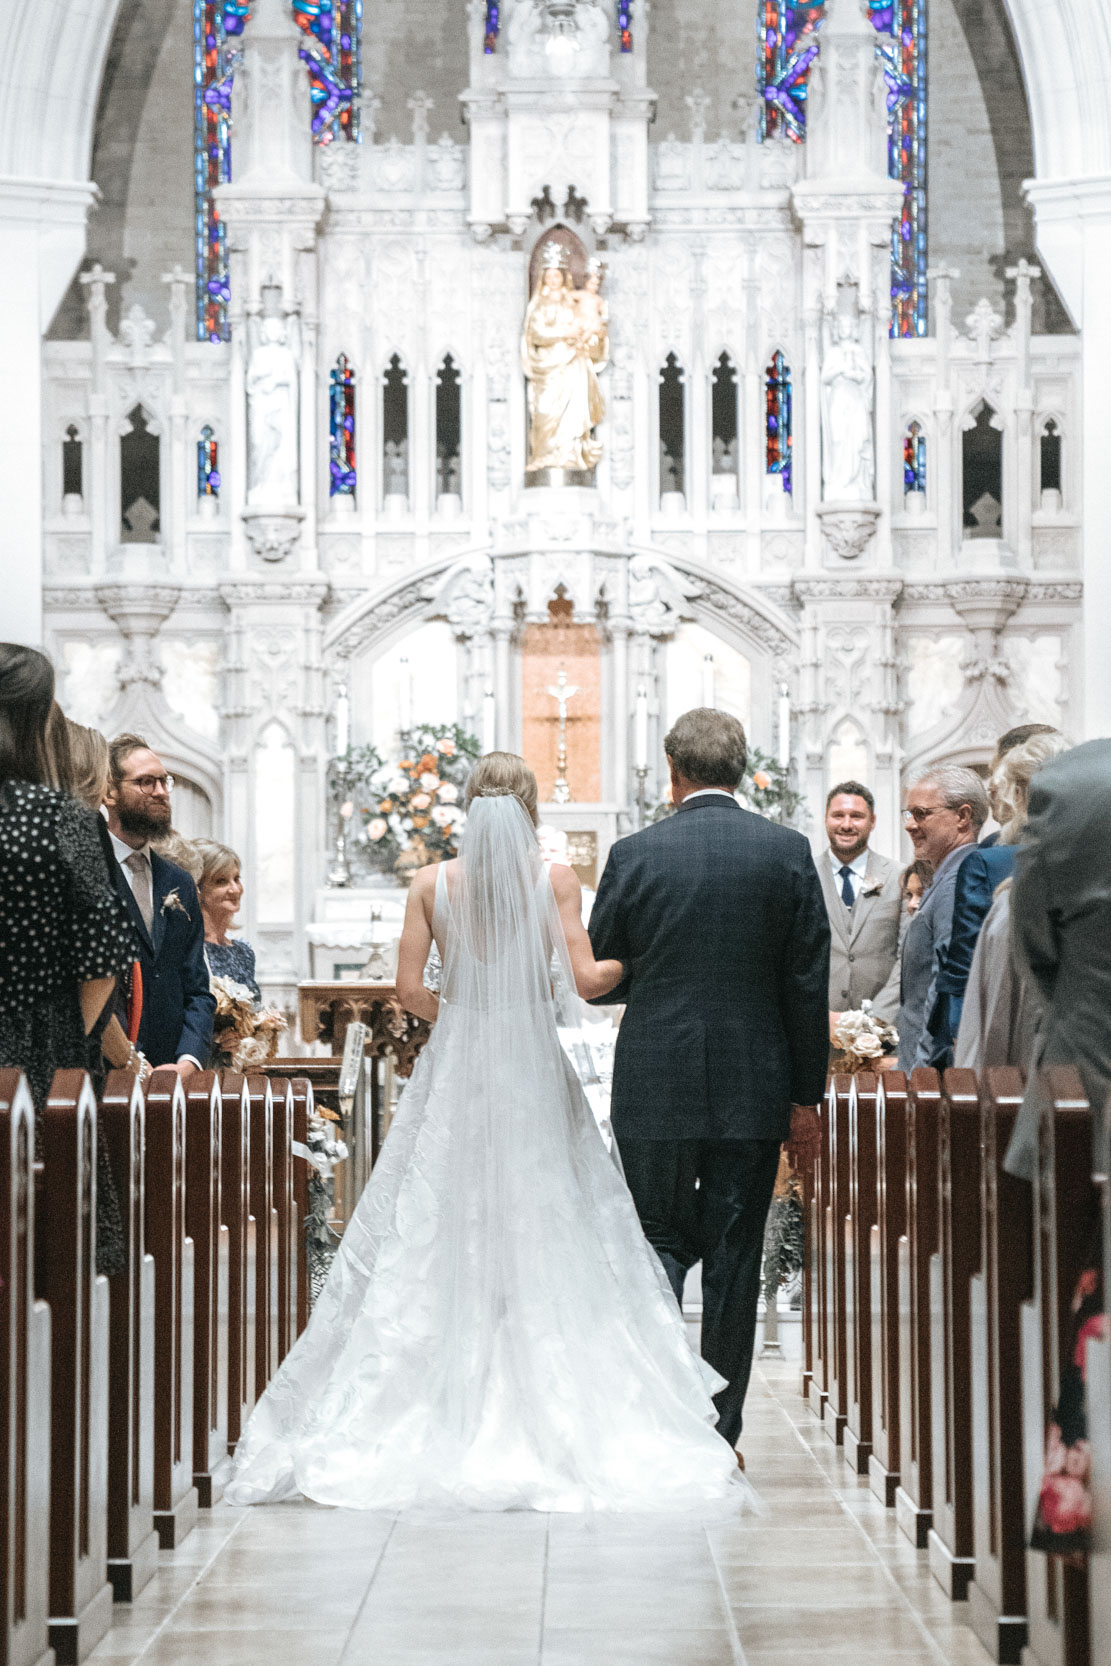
x: 858, y: 867
x: 704, y: 792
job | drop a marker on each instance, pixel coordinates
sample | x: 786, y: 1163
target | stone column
x: 96, y: 478
x: 503, y: 689
x: 180, y: 450
x: 619, y: 715
x: 944, y: 460
x: 1022, y: 494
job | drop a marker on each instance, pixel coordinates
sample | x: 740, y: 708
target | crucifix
x: 561, y: 693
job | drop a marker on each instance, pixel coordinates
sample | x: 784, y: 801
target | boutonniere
x: 172, y: 904
x: 871, y: 888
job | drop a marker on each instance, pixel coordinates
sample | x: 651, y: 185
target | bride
x: 495, y: 1332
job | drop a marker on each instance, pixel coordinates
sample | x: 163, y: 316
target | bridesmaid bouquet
x: 244, y: 1037
x: 860, y: 1040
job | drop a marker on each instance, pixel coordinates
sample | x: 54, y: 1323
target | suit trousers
x: 708, y: 1201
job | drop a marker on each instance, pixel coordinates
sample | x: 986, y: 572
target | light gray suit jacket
x: 1061, y: 923
x: 864, y: 939
x: 923, y: 947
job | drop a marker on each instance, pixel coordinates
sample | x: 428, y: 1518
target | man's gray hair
x: 957, y: 785
x: 708, y: 747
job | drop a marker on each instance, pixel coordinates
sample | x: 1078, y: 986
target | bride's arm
x: 416, y: 940
x: 592, y: 977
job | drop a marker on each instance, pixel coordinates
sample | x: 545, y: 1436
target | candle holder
x: 642, y: 794
x: 340, y: 876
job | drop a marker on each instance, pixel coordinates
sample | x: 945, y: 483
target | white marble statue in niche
x: 272, y: 405
x: 848, y: 451
x: 557, y: 37
x: 564, y: 344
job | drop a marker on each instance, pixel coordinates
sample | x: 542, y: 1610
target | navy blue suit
x: 978, y: 879
x: 178, y: 1004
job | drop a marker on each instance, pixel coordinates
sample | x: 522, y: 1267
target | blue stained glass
x: 493, y: 23
x: 208, y: 474
x: 778, y: 439
x: 341, y: 429
x: 624, y: 24
x: 914, y: 459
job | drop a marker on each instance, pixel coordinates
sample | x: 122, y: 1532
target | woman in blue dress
x: 220, y: 889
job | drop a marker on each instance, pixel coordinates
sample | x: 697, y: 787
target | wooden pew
x: 889, y: 1228
x: 859, y: 1221
x: 66, y: 1277
x: 1056, y: 1588
x: 205, y: 1226
x: 175, y: 1496
x: 914, y: 1494
x: 1099, y: 1421
x: 951, y: 1270
x: 24, y: 1392
x: 281, y: 1091
x: 816, y: 1277
x: 242, y: 1248
x: 261, y: 1180
x: 997, y: 1594
x: 836, y: 1412
x: 303, y: 1102
x: 132, y: 1540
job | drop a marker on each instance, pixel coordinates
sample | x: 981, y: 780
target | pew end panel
x: 24, y: 1391
x: 816, y: 1288
x: 997, y: 1593
x: 914, y: 1494
x: 261, y: 1191
x: 132, y: 1540
x: 175, y: 1496
x: 242, y: 1251
x: 303, y: 1106
x: 859, y: 1222
x: 836, y: 1409
x: 884, y: 1239
x: 80, y: 1594
x: 211, y: 1266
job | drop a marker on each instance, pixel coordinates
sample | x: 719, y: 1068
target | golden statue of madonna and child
x: 564, y: 348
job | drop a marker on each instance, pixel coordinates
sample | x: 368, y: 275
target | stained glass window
x: 786, y: 48
x: 777, y: 419
x: 624, y: 24
x: 341, y: 429
x: 332, y: 56
x: 493, y: 19
x: 208, y: 470
x: 914, y: 459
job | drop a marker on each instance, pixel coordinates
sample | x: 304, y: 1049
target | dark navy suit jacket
x: 979, y: 877
x: 178, y: 1004
x: 719, y: 918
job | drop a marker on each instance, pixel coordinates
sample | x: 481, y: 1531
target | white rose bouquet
x: 860, y: 1039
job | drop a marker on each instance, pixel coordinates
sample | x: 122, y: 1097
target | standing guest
x: 1061, y: 914
x: 64, y: 934
x: 220, y: 889
x: 178, y: 1005
x: 945, y: 812
x: 1018, y: 736
x: 914, y: 882
x: 981, y: 875
x: 861, y: 891
x: 718, y: 917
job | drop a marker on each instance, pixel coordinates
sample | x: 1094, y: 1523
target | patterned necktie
x: 848, y: 896
x: 141, y: 886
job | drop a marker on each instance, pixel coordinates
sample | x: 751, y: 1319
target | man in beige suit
x: 862, y: 900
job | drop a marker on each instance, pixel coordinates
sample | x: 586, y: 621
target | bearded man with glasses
x: 178, y: 1005
x: 945, y: 812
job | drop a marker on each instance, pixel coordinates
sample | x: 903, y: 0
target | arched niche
x: 410, y: 677
x: 702, y: 669
x: 274, y: 823
x: 577, y: 253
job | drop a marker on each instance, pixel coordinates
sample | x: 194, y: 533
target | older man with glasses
x: 178, y: 1006
x: 945, y: 811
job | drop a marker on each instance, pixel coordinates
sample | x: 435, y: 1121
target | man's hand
x: 185, y: 1068
x: 805, y: 1139
x: 834, y: 1019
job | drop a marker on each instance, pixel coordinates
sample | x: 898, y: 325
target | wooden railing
x: 938, y: 1313
x: 125, y: 1396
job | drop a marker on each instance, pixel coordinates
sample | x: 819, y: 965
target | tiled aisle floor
x: 825, y: 1575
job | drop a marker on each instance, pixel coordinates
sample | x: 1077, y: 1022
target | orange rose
x: 428, y: 762
x: 406, y: 763
x: 420, y: 821
x: 386, y: 806
x: 762, y: 780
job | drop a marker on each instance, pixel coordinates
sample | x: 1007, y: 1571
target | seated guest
x: 861, y: 893
x: 221, y: 892
x: 945, y: 812
x: 1018, y: 736
x: 64, y: 935
x: 981, y: 875
x: 178, y: 1005
x: 1061, y: 914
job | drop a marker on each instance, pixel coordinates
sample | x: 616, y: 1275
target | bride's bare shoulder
x: 565, y: 881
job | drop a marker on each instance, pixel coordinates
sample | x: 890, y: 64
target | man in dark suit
x: 722, y: 1052
x: 178, y: 1005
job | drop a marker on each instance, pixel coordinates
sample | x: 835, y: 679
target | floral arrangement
x: 244, y: 1039
x: 859, y: 1039
x: 323, y: 1149
x: 412, y: 810
x: 765, y: 788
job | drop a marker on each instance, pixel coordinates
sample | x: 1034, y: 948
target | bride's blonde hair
x: 502, y: 775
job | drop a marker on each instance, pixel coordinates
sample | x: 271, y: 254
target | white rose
x: 430, y: 781
x: 448, y: 791
x: 868, y: 1046
x: 377, y: 829
x: 396, y: 784
x: 442, y: 817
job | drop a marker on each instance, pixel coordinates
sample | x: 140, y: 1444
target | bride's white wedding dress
x: 495, y: 1332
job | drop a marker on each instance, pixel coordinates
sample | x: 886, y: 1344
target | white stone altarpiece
x: 862, y: 622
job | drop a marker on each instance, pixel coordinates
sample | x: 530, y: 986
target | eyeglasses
x: 918, y: 816
x: 151, y: 783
